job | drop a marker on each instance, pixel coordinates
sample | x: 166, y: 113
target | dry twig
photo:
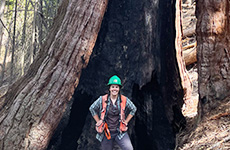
x: 226, y: 139
x: 219, y: 116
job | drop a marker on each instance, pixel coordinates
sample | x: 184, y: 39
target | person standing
x: 109, y: 113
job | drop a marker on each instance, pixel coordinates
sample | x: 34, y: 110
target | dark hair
x: 119, y: 95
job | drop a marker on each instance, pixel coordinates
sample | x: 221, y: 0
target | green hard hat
x: 115, y: 80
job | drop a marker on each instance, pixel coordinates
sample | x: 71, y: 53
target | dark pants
x: 124, y: 143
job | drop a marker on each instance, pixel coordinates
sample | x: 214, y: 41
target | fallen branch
x: 4, y: 26
x: 189, y: 46
x: 190, y: 56
x: 6, y: 29
x: 219, y: 116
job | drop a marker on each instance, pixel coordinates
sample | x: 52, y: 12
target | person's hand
x: 126, y: 123
x: 99, y: 123
x: 124, y: 126
x: 100, y: 126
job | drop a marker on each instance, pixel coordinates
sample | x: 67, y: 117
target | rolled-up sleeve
x: 95, y: 107
x: 132, y: 108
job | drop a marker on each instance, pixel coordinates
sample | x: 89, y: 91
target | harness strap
x: 102, y: 127
x: 123, y: 126
x: 104, y: 106
x: 123, y: 104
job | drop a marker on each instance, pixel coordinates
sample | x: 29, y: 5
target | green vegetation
x: 23, y: 29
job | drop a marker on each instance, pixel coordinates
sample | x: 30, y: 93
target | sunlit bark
x: 185, y: 80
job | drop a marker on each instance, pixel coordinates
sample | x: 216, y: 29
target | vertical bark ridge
x: 185, y: 80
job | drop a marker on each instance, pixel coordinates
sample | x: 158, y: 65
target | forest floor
x: 211, y: 132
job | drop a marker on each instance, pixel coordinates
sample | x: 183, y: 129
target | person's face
x: 114, y: 89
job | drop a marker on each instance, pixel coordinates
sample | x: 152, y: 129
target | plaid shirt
x: 96, y: 107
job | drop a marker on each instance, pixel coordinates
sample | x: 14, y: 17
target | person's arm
x: 95, y: 108
x: 96, y: 118
x: 129, y: 117
x: 132, y: 108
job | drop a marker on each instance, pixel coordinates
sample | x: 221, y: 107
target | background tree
x: 2, y: 6
x: 13, y: 42
x: 31, y: 27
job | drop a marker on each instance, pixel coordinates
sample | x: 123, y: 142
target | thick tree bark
x: 34, y: 105
x: 213, y: 51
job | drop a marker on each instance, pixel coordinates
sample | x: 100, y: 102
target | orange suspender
x: 123, y: 104
x: 104, y: 104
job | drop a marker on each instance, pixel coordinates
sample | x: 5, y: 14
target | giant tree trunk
x: 213, y: 51
x: 33, y: 106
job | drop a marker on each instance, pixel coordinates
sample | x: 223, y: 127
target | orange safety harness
x: 104, y: 125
